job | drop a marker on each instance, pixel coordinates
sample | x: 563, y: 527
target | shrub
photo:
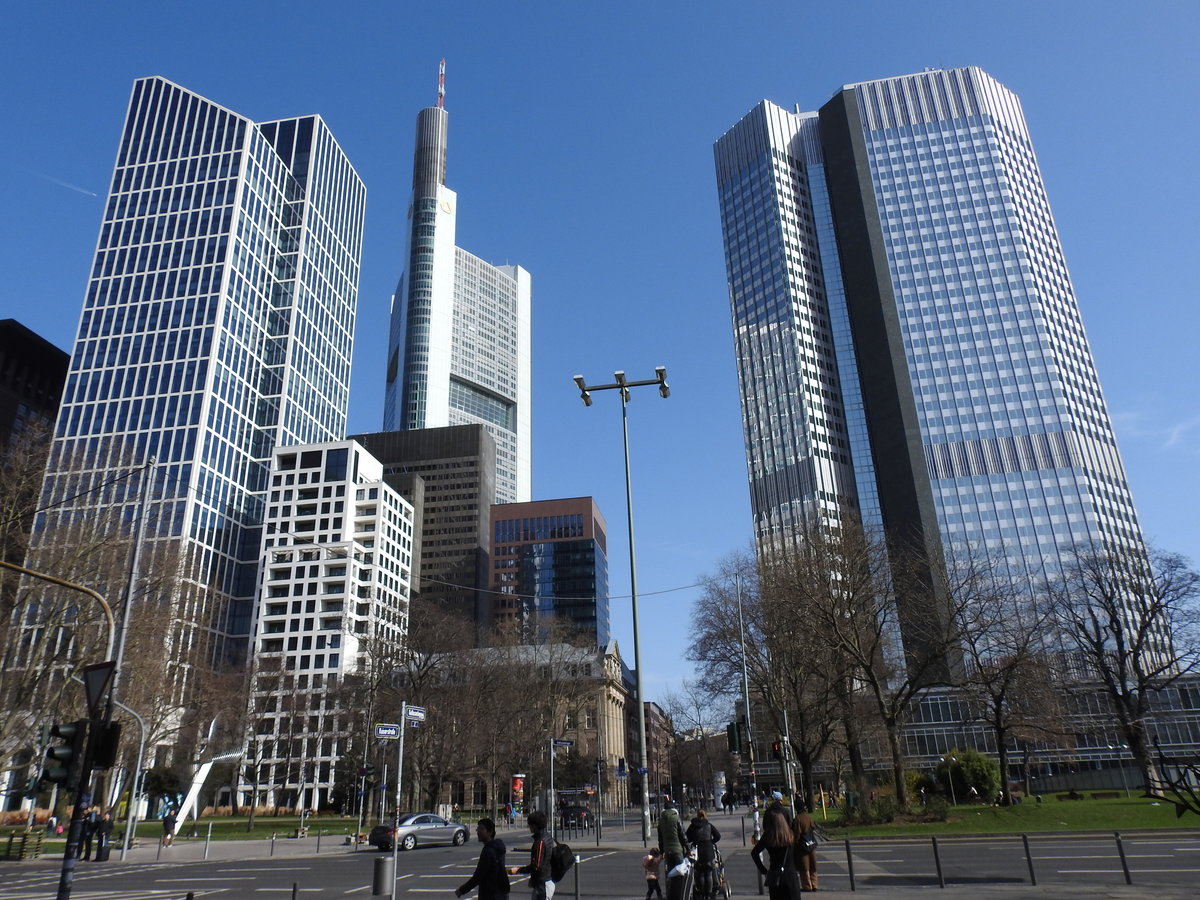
x: 937, y: 808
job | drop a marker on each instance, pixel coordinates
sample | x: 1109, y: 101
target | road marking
x: 1140, y: 871
x: 196, y: 878
x: 365, y: 887
x: 271, y: 869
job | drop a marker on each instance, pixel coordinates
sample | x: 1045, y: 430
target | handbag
x: 775, y: 874
x: 810, y: 840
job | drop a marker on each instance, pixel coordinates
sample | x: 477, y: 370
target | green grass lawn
x: 1124, y: 814
x: 228, y: 829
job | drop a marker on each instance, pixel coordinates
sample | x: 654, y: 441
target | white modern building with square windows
x: 333, y: 599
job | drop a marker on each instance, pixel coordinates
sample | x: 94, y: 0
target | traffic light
x: 777, y: 750
x: 64, y: 761
x: 734, y: 733
x: 108, y: 744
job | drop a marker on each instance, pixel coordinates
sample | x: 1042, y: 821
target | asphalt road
x: 1163, y: 866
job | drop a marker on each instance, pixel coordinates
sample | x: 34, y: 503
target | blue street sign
x: 563, y: 742
x: 385, y: 731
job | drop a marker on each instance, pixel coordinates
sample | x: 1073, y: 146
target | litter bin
x: 385, y: 875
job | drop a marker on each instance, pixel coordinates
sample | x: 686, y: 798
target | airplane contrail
x: 61, y: 183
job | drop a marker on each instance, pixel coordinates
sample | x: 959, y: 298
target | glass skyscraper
x: 550, y: 561
x: 218, y: 323
x: 909, y: 344
x: 458, y: 347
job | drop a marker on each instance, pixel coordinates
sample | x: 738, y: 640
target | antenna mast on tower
x: 441, y: 84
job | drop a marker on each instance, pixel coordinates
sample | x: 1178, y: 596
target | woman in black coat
x: 783, y: 881
x: 703, y: 835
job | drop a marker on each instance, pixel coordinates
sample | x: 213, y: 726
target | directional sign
x: 386, y: 731
x: 416, y: 713
x: 563, y: 742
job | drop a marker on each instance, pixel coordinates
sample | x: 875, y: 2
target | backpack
x: 810, y: 841
x: 562, y: 858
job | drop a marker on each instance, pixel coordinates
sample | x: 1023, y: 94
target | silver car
x: 418, y: 828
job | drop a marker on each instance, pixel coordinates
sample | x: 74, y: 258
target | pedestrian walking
x: 671, y: 837
x: 91, y: 819
x: 776, y: 843
x: 103, y: 836
x: 490, y: 877
x: 168, y: 824
x: 538, y: 870
x: 703, y: 835
x: 804, y: 829
x: 652, y: 864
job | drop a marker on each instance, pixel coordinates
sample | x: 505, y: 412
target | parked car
x: 576, y: 817
x: 417, y: 829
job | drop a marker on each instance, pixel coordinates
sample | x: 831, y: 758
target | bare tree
x: 1132, y: 621
x: 1008, y: 676
x: 874, y: 605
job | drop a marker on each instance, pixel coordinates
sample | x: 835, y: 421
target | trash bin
x: 385, y: 875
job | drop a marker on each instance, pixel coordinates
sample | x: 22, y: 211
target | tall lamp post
x: 623, y: 385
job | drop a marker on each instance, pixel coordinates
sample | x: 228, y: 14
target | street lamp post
x: 950, y: 761
x: 622, y: 384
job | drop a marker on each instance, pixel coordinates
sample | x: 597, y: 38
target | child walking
x: 651, y: 863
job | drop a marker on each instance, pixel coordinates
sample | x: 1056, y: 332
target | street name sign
x: 415, y: 713
x: 385, y: 731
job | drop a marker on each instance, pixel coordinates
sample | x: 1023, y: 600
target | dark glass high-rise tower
x: 909, y: 344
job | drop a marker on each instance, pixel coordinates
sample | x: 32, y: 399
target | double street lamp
x: 622, y: 384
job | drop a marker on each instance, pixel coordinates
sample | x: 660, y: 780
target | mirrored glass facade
x: 909, y: 343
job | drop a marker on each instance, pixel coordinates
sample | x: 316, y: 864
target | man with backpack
x: 538, y: 870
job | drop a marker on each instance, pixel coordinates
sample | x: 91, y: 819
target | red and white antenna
x: 441, y: 84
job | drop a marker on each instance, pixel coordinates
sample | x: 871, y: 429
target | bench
x: 1106, y: 795
x: 1071, y: 796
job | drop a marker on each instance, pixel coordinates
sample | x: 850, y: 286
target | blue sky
x: 581, y: 148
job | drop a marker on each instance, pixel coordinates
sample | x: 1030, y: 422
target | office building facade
x: 448, y: 475
x: 909, y: 344
x: 458, y: 347
x: 217, y: 324
x: 550, y: 561
x: 333, y: 601
x: 32, y: 374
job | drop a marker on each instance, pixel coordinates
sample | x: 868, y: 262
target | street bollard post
x: 1029, y: 860
x: 208, y: 839
x: 272, y: 844
x: 849, y: 866
x: 1124, y: 861
x: 937, y: 861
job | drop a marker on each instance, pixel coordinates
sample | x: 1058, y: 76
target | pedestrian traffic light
x: 64, y: 762
x: 734, y: 733
x: 777, y: 750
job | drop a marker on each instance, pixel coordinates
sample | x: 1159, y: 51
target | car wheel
x: 460, y: 838
x: 410, y: 841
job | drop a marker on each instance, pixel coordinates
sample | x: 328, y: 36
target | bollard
x: 937, y: 861
x: 272, y: 844
x: 1029, y: 859
x: 319, y: 833
x: 1124, y: 862
x: 295, y: 890
x: 385, y: 876
x: 849, y: 866
x: 578, y: 859
x: 208, y: 839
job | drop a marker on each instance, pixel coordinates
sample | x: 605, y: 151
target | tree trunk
x: 1002, y: 758
x: 893, y: 733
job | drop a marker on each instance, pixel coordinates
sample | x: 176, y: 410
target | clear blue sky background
x: 581, y: 148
